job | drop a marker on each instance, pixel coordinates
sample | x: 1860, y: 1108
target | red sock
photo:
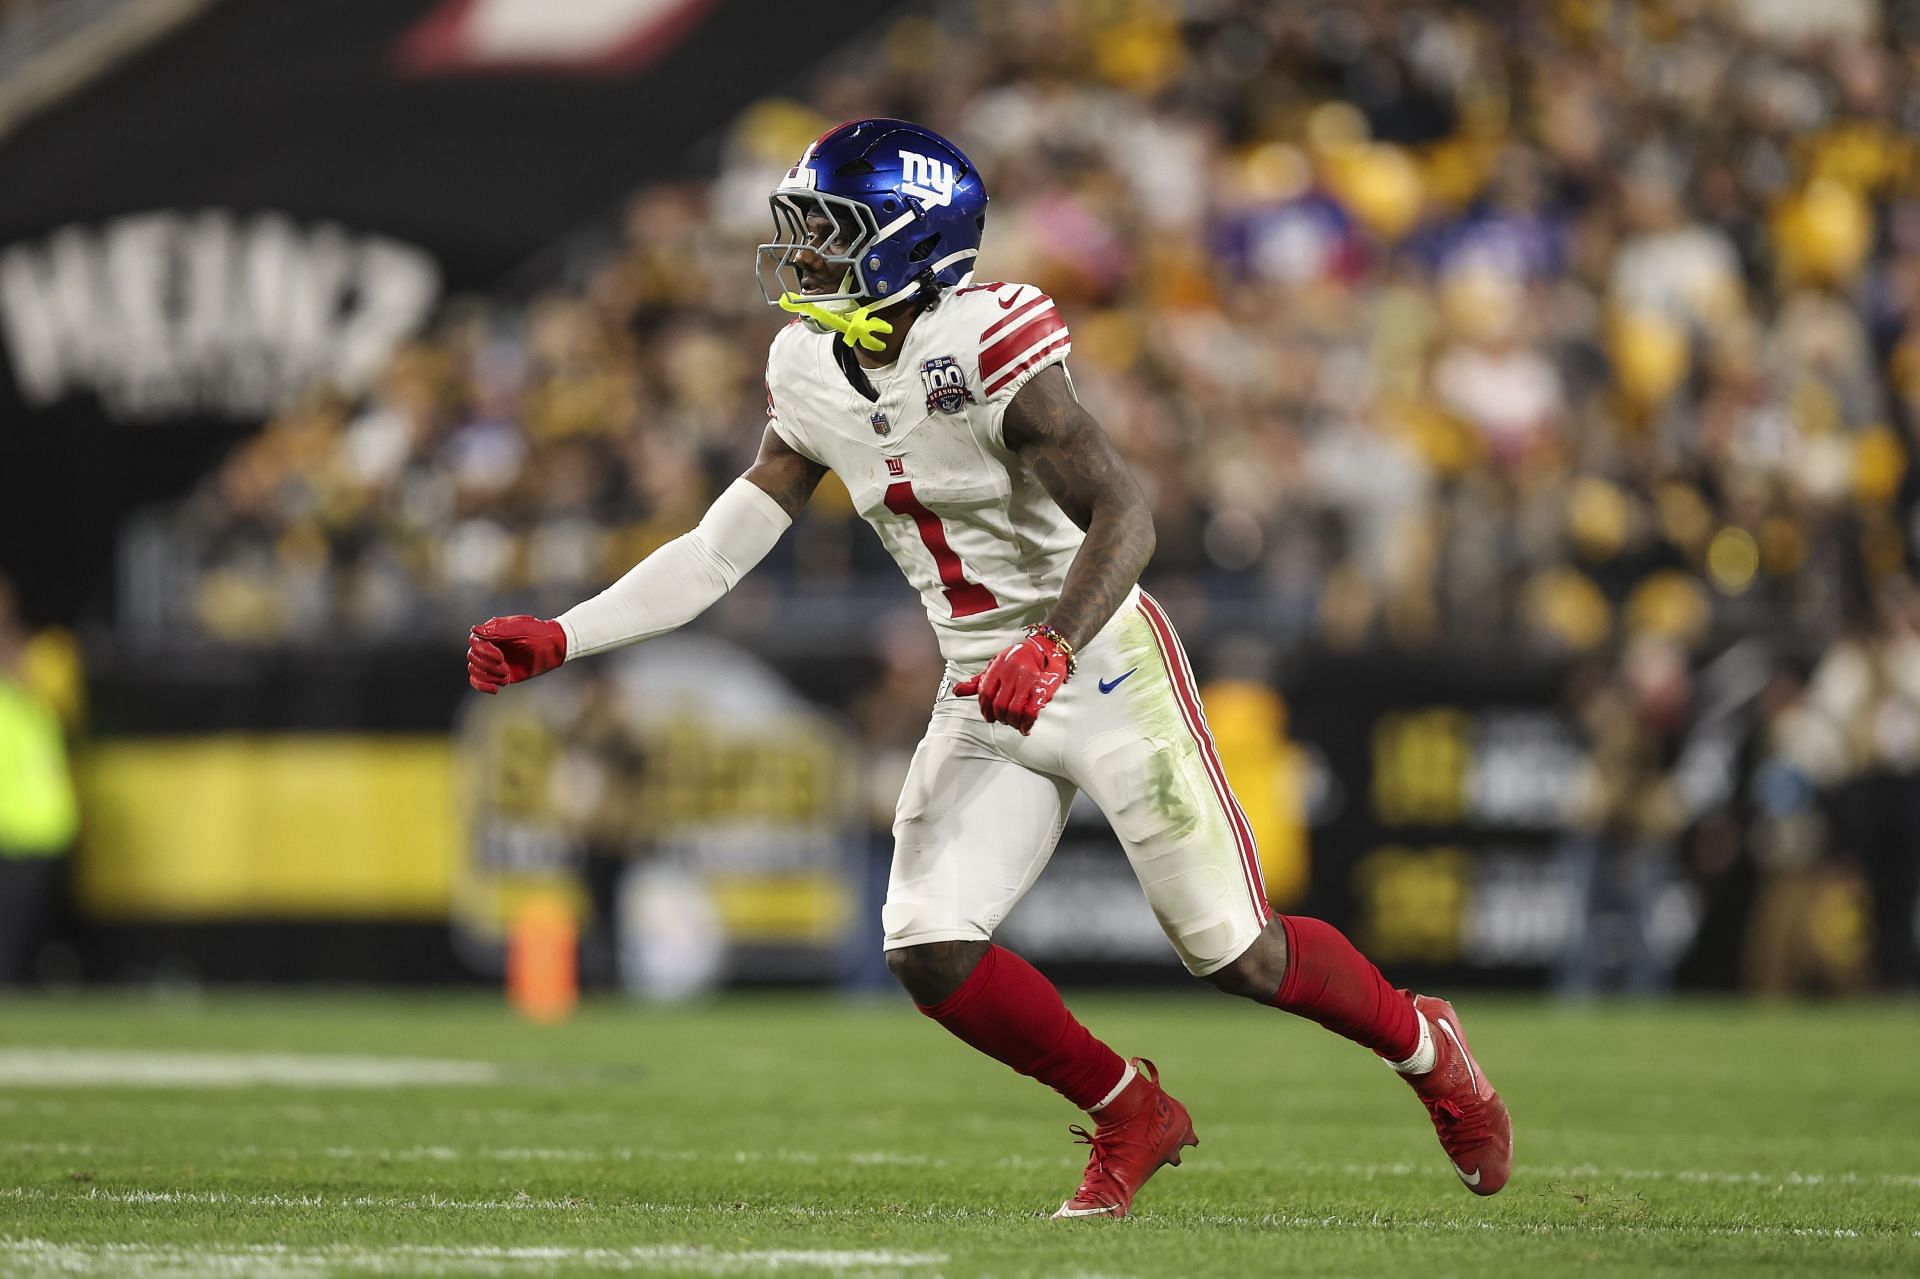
x: 1330, y: 982
x: 1008, y: 1011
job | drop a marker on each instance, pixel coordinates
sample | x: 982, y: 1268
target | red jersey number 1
x: 963, y: 597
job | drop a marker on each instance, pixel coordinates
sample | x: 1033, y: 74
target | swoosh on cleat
x: 1471, y: 1181
x: 1473, y: 1076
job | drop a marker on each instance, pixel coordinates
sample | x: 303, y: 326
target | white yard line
x: 106, y: 1068
x: 422, y: 1203
x: 273, y: 1261
x: 227, y: 1106
x: 501, y: 1154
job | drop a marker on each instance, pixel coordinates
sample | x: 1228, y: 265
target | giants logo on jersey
x: 946, y: 384
x: 926, y: 179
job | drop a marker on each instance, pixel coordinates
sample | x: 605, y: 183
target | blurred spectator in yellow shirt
x: 39, y: 816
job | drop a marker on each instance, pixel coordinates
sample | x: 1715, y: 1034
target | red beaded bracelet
x: 1040, y: 630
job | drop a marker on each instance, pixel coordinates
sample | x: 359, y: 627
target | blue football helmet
x: 897, y: 212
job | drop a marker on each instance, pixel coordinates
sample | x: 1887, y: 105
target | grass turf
x: 812, y: 1136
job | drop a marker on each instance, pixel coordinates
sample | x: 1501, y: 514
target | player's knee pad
x: 909, y: 920
x: 927, y: 900
x: 1213, y: 940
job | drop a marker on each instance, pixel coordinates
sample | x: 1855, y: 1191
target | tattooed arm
x: 1077, y: 463
x: 783, y: 474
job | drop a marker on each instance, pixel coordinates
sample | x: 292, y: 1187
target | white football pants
x: 983, y: 807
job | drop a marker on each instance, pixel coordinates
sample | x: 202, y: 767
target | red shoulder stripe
x: 1011, y: 345
x: 1039, y: 357
x: 1005, y: 320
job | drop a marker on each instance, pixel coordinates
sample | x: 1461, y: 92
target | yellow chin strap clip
x: 858, y: 327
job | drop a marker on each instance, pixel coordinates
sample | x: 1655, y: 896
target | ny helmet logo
x: 926, y: 179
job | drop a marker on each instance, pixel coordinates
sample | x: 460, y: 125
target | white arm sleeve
x: 679, y: 581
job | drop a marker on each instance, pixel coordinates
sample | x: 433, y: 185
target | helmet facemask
x: 853, y: 231
x: 876, y: 212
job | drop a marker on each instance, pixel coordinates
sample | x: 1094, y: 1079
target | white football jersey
x: 972, y: 528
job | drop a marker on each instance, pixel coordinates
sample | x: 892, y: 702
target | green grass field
x: 291, y: 1136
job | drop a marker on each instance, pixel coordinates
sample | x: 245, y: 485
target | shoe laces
x: 1107, y: 1140
x: 1096, y: 1158
x: 1104, y: 1145
x: 1462, y: 1125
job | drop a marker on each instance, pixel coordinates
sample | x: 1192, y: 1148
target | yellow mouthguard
x: 858, y: 327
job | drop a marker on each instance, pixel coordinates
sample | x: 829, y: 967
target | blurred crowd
x: 1536, y: 322
x: 1585, y: 327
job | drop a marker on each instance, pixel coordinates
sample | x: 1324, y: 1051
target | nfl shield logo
x: 880, y: 425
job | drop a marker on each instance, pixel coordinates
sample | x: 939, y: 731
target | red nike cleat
x: 1138, y: 1133
x: 1472, y: 1121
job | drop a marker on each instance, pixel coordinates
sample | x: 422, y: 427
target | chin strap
x: 858, y: 327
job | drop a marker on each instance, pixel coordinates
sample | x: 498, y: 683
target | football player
x: 946, y: 408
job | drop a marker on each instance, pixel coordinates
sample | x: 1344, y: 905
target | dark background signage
x: 191, y: 257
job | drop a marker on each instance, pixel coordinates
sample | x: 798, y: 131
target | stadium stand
x: 1596, y: 339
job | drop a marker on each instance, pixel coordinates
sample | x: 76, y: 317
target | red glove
x: 506, y: 650
x: 1020, y: 681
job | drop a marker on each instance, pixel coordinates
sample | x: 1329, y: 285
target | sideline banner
x: 284, y: 189
x: 241, y: 826
x: 702, y: 799
x: 1442, y: 787
x: 682, y: 794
